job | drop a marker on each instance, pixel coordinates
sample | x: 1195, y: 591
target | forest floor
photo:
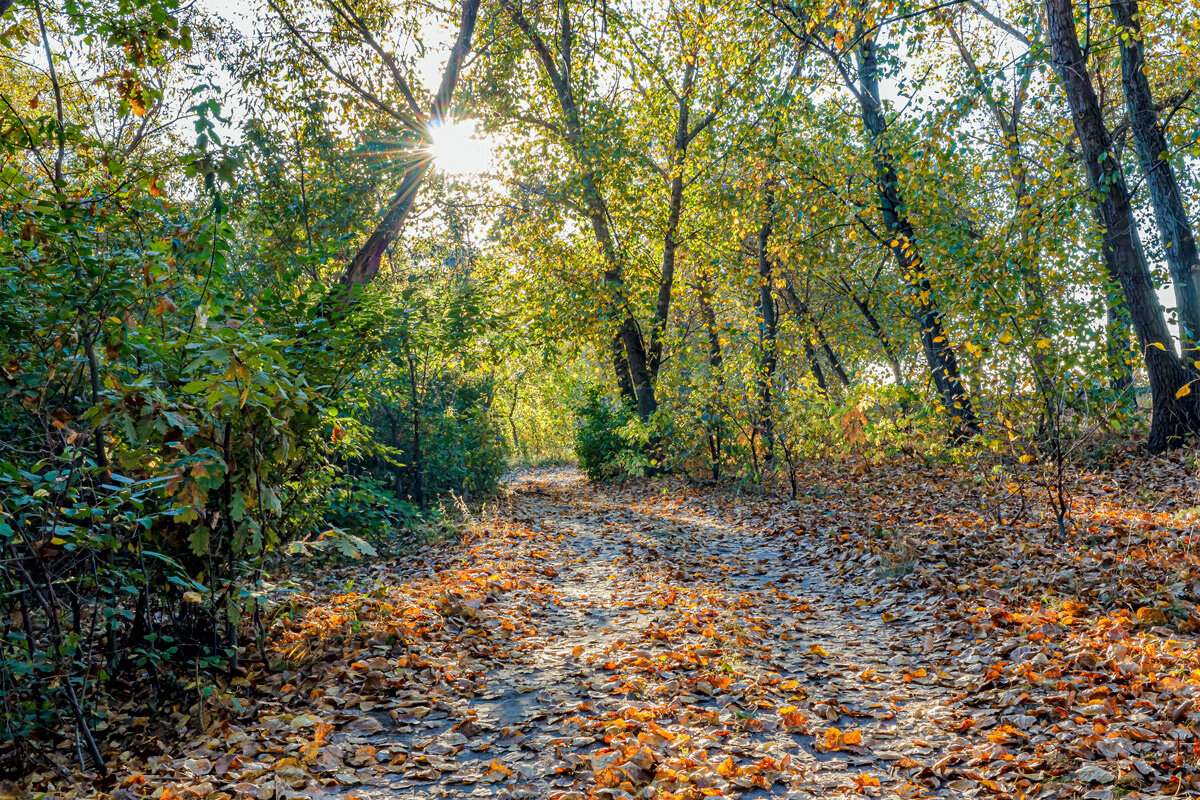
x: 908, y: 630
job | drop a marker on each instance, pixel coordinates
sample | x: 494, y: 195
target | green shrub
x: 420, y: 446
x: 601, y: 449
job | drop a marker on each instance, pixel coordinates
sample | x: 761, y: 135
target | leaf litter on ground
x: 897, y: 630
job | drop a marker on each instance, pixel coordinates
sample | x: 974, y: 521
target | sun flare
x: 457, y: 148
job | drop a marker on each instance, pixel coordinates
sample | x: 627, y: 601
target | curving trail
x: 876, y: 637
x: 674, y: 653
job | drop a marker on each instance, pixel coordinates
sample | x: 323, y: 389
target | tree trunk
x: 364, y: 267
x: 621, y: 370
x: 1179, y: 243
x: 1026, y: 217
x: 709, y: 316
x: 1174, y: 417
x: 639, y: 372
x: 767, y: 330
x: 814, y: 364
x: 417, y: 467
x: 630, y: 337
x: 939, y: 355
x: 804, y: 317
x: 881, y: 336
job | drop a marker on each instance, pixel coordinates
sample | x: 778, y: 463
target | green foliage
x: 607, y: 440
x: 445, y: 442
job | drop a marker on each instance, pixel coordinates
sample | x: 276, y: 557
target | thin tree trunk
x: 881, y: 336
x: 709, y: 316
x: 767, y: 330
x: 662, y: 306
x: 417, y: 467
x: 939, y: 355
x: 835, y: 363
x: 1174, y: 417
x: 805, y: 317
x: 1179, y: 243
x: 814, y: 364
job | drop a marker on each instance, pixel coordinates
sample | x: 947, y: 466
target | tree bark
x: 559, y: 74
x: 939, y: 355
x: 881, y: 336
x: 1179, y: 243
x: 1174, y: 417
x: 767, y: 329
x: 621, y: 371
x: 709, y: 317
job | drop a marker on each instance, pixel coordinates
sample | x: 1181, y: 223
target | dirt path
x: 659, y: 640
x: 678, y: 653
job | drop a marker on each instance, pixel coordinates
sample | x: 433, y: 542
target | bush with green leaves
x: 416, y: 445
x: 603, y: 451
x: 162, y: 420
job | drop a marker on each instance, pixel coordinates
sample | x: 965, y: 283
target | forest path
x: 680, y: 651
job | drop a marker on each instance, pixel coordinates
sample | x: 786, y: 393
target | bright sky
x: 458, y: 147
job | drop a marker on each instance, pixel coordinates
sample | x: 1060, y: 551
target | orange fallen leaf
x: 865, y: 781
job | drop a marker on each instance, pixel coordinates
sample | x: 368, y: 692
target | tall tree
x: 555, y: 63
x: 400, y: 106
x: 1179, y: 243
x: 939, y: 353
x: 1176, y: 412
x: 862, y: 80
